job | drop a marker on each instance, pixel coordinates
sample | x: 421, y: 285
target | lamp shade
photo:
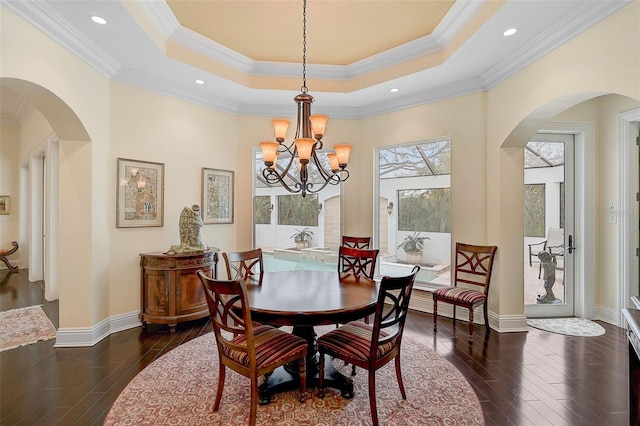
x: 318, y: 124
x: 269, y: 150
x: 342, y: 152
x: 333, y: 162
x: 280, y: 128
x: 304, y: 147
x: 275, y: 161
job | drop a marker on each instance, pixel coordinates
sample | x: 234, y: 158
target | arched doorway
x: 39, y: 196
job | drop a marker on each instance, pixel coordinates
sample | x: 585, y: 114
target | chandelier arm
x: 291, y: 148
x: 333, y: 180
x: 273, y: 177
x: 326, y: 175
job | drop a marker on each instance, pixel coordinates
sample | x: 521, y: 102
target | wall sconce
x: 319, y: 207
x: 390, y: 207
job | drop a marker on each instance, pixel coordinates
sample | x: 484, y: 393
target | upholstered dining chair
x: 247, y: 348
x: 372, y: 346
x: 470, y: 289
x: 356, y: 242
x: 243, y: 264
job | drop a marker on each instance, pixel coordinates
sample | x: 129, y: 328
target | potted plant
x: 413, y: 246
x: 302, y: 238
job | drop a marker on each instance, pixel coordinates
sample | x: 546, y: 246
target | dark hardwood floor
x: 535, y: 378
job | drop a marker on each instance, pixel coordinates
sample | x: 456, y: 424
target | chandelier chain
x: 304, y: 47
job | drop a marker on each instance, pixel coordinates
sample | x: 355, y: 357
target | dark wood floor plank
x: 535, y: 378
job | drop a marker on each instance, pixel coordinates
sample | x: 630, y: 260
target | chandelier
x: 303, y: 150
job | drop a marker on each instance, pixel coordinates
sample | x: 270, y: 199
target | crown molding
x: 46, y: 19
x: 162, y: 17
x: 452, y: 90
x: 169, y: 88
x: 576, y: 22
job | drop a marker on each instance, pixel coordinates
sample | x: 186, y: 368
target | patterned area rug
x: 179, y: 389
x: 19, y: 327
x: 569, y: 326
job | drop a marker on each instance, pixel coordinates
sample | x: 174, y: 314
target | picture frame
x: 5, y: 204
x: 140, y: 194
x: 217, y: 196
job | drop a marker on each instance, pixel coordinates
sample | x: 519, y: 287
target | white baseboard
x: 608, y: 315
x: 78, y: 337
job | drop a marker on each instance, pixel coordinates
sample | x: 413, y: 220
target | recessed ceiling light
x: 98, y: 20
x: 510, y: 32
x: 394, y: 90
x: 199, y: 81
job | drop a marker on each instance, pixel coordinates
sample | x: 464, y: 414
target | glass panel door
x: 549, y: 225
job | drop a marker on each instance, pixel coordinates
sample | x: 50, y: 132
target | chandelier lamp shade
x: 303, y: 151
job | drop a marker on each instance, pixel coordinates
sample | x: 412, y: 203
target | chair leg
x: 221, y: 376
x: 321, y: 375
x: 399, y: 376
x: 435, y: 315
x: 486, y: 318
x: 254, y: 401
x: 470, y: 324
x: 372, y: 397
x: 302, y: 365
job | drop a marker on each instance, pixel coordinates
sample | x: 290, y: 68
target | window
x: 298, y: 210
x: 263, y: 207
x: 414, y: 193
x: 534, y: 210
x: 427, y: 210
x: 279, y: 215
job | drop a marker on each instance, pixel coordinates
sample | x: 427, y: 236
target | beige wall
x: 185, y: 137
x: 9, y: 168
x: 99, y: 262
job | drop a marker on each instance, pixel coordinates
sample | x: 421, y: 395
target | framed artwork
x: 140, y: 199
x: 5, y: 204
x: 217, y: 196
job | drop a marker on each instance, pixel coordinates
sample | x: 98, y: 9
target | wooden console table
x: 171, y: 290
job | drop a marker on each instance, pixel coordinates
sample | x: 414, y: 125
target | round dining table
x: 304, y: 299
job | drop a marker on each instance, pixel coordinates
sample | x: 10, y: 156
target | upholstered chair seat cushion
x: 271, y: 346
x: 354, y: 340
x: 459, y: 295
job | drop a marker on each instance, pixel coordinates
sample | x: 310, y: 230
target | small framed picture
x: 5, y: 204
x: 217, y: 196
x: 140, y: 198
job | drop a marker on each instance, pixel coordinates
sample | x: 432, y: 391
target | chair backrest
x: 356, y: 242
x: 474, y: 265
x: 555, y: 237
x: 392, y: 309
x: 359, y: 262
x: 230, y: 315
x: 243, y: 264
